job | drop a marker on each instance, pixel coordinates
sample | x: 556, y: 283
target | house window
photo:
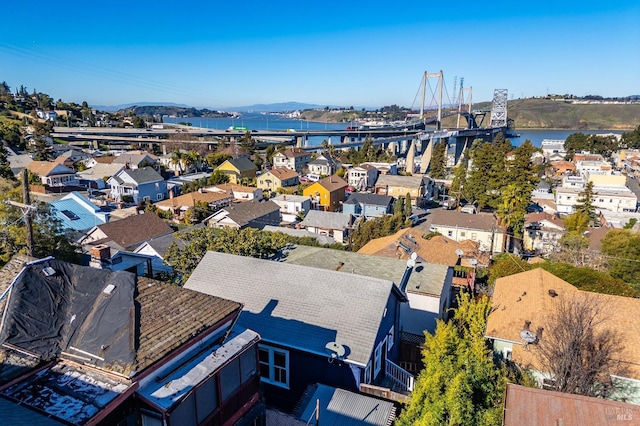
x: 377, y: 362
x: 506, y: 354
x: 147, y: 198
x: 274, y: 366
x: 390, y: 337
x: 474, y: 236
x: 462, y: 234
x: 157, y: 185
x: 159, y: 197
x: 449, y: 233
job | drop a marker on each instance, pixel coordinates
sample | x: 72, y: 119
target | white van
x: 313, y: 178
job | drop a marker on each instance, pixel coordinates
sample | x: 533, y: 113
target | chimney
x: 539, y: 333
x: 527, y: 324
x: 340, y: 265
x: 100, y: 256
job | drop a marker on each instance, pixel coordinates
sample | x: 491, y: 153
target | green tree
x: 460, y: 384
x: 438, y: 163
x: 407, y: 206
x: 217, y: 178
x: 487, y: 174
x: 5, y: 167
x: 247, y: 143
x: 49, y: 235
x: 623, y: 249
x: 585, y: 203
x: 139, y: 123
x: 42, y: 138
x: 575, y: 142
x: 460, y: 176
x: 631, y: 139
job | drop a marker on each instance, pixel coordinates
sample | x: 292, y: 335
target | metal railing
x: 401, y: 376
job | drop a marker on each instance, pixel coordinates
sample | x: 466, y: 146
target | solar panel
x: 70, y: 215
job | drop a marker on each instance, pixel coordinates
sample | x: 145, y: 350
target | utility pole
x: 27, y: 208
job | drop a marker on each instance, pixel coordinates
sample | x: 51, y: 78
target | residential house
x: 144, y: 184
x: 238, y: 169
x: 368, y: 205
x: 238, y: 192
x: 525, y: 301
x: 251, y: 214
x: 316, y: 325
x: 292, y: 206
x: 77, y: 213
x: 293, y: 158
x: 97, y: 176
x: 157, y: 248
x: 362, y: 177
x: 136, y: 160
x: 428, y: 288
x: 121, y: 357
x: 178, y: 206
x: 332, y: 224
x: 75, y: 155
x: 327, y: 194
x: 621, y: 220
x: 18, y: 162
x: 542, y: 233
x: 53, y: 174
x: 482, y: 228
x: 526, y: 406
x: 610, y: 193
x: 324, y: 165
x: 175, y: 183
x: 563, y: 167
x: 383, y: 168
x: 278, y: 177
x: 127, y: 233
x: 552, y: 148
x: 437, y: 249
x: 420, y: 188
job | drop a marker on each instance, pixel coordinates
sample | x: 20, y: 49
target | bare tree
x: 579, y: 349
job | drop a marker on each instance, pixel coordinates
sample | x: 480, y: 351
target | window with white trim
x: 377, y: 362
x: 274, y: 366
x: 390, y: 337
x: 367, y: 373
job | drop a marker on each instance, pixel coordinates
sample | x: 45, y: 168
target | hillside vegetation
x: 529, y: 114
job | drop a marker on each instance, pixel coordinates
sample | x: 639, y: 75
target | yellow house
x: 278, y: 177
x: 327, y: 194
x: 238, y: 169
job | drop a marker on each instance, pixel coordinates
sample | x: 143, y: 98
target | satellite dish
x: 528, y: 336
x: 459, y: 252
x: 414, y: 256
x: 411, y: 263
x: 335, y: 349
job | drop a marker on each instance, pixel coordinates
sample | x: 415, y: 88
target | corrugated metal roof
x: 339, y: 407
x: 298, y: 306
x: 81, y: 219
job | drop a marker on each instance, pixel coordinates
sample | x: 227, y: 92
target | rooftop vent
x: 108, y: 290
x: 552, y: 292
x: 48, y: 271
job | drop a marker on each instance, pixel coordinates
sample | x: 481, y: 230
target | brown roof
x: 595, y: 237
x: 525, y: 406
x: 171, y: 315
x: 134, y: 230
x: 538, y: 217
x: 283, y: 173
x: 108, y: 159
x: 438, y: 249
x: 333, y: 183
x: 294, y: 152
x: 481, y: 221
x: 231, y: 187
x: 41, y: 168
x: 525, y: 297
x: 191, y: 198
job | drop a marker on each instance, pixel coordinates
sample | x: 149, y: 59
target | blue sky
x: 373, y: 53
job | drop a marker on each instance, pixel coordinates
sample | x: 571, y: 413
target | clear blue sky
x: 235, y: 53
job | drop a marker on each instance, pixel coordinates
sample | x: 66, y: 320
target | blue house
x: 77, y: 213
x: 141, y: 184
x: 317, y: 325
x: 369, y: 205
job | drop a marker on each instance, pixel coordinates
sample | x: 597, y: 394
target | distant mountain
x: 277, y: 107
x: 114, y: 108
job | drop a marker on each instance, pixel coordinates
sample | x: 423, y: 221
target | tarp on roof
x: 69, y: 311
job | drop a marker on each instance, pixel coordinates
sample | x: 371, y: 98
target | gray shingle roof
x: 298, y: 306
x: 372, y: 199
x: 144, y: 175
x: 426, y: 278
x: 397, y: 180
x: 243, y: 213
x: 326, y: 220
x: 243, y: 164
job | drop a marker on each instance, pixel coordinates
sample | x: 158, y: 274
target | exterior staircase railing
x: 399, y: 375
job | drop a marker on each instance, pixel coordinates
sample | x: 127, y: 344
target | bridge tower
x: 499, y: 108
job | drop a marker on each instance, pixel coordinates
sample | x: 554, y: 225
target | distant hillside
x: 114, y: 108
x: 152, y: 110
x: 548, y: 114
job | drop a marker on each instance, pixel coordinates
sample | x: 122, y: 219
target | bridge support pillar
x: 403, y: 147
x: 299, y: 141
x: 346, y: 139
x: 392, y: 148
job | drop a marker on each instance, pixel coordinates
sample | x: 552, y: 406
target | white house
x: 362, y: 177
x: 482, y: 228
x: 542, y: 232
x: 292, y: 205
